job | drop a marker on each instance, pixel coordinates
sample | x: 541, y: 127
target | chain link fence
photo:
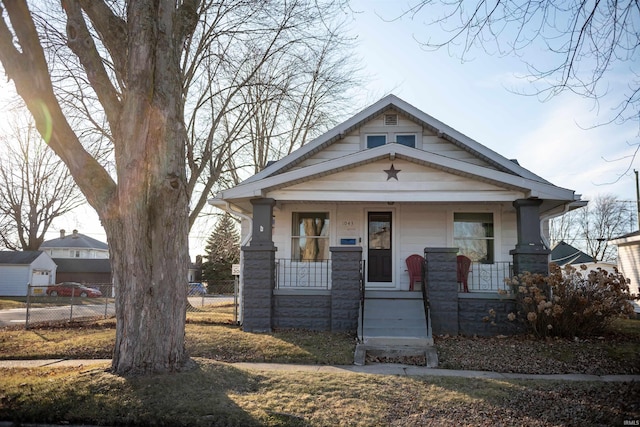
x: 215, y: 301
x: 69, y: 301
x: 74, y: 302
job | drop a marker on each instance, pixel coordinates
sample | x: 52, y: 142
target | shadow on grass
x: 229, y: 343
x: 199, y: 397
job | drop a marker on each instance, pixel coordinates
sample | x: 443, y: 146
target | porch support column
x: 345, y: 287
x: 262, y: 232
x: 259, y: 270
x: 442, y: 286
x: 530, y: 253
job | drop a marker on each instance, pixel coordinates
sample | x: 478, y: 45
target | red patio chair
x: 464, y: 265
x: 414, y: 266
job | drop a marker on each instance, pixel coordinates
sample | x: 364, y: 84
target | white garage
x: 19, y: 269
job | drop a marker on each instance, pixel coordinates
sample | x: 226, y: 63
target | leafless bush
x: 570, y: 302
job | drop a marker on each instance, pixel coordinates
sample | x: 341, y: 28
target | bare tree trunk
x: 149, y: 237
x: 145, y: 211
x: 148, y: 243
x: 149, y: 266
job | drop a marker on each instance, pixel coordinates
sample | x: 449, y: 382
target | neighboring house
x: 195, y: 270
x: 19, y: 269
x: 343, y: 213
x: 75, y: 245
x: 629, y: 261
x: 79, y: 258
x: 563, y: 254
x: 88, y: 271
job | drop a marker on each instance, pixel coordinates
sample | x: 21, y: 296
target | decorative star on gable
x: 392, y: 172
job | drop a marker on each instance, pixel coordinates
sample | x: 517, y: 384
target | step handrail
x: 362, y: 284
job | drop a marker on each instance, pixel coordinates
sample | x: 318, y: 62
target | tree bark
x: 148, y: 238
x: 145, y: 210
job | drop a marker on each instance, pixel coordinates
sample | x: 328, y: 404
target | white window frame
x: 366, y: 139
x: 415, y: 138
x: 492, y: 256
x: 296, y: 238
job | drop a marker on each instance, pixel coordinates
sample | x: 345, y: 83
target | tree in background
x: 260, y: 79
x: 591, y: 227
x: 134, y: 70
x: 222, y: 250
x: 35, y: 187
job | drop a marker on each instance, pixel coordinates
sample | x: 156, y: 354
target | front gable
x: 439, y: 165
x: 401, y: 129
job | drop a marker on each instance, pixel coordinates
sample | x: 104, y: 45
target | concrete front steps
x: 394, y: 325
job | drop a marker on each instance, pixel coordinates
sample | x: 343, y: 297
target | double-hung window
x: 310, y: 236
x: 376, y: 140
x: 473, y: 234
x: 408, y: 140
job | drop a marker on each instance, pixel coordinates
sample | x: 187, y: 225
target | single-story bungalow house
x: 20, y: 269
x: 330, y: 228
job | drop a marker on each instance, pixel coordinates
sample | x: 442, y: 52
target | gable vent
x: 391, y: 120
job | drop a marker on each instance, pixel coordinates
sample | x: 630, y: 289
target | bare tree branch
x: 36, y: 188
x: 591, y: 227
x: 586, y: 40
x: 29, y: 70
x: 82, y: 44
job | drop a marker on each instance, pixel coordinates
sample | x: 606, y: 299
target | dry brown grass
x: 219, y: 394
x: 216, y: 393
x: 615, y: 352
x: 209, y: 333
x: 7, y: 303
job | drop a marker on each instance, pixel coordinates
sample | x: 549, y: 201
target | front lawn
x: 219, y: 394
x: 210, y: 333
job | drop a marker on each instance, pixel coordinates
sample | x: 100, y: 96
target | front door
x: 379, y: 265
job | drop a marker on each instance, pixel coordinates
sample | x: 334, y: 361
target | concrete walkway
x: 379, y: 369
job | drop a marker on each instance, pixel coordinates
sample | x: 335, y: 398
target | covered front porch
x: 330, y: 293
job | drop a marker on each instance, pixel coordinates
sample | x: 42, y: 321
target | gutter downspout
x: 244, y: 242
x: 242, y: 215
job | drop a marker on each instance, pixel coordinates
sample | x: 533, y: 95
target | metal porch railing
x: 303, y: 274
x: 489, y: 277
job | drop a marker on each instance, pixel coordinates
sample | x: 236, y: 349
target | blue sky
x: 554, y: 139
x: 481, y: 98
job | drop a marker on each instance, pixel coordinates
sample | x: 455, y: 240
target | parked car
x: 67, y: 289
x: 197, y: 289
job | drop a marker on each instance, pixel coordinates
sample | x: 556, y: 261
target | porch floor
x: 395, y: 324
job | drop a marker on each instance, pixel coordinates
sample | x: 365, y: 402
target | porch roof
x: 513, y: 186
